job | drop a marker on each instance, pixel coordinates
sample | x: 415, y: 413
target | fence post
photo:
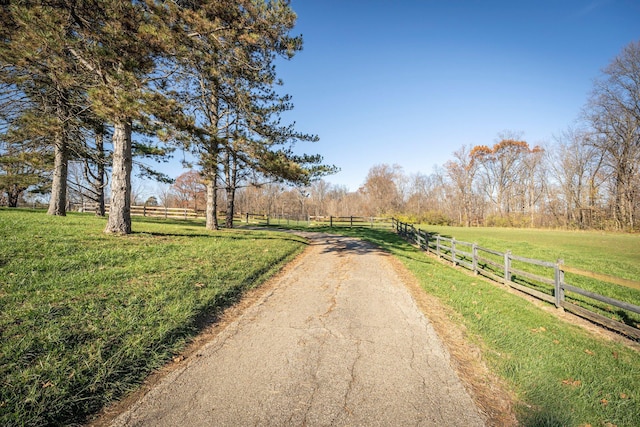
x: 185, y: 214
x: 246, y: 220
x: 558, y: 283
x: 144, y: 210
x: 438, y: 246
x: 474, y: 249
x: 453, y: 251
x: 426, y: 241
x: 507, y: 267
x: 350, y: 221
x: 166, y: 212
x: 330, y: 221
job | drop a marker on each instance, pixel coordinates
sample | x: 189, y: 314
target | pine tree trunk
x: 231, y: 172
x: 58, y: 202
x: 13, y: 195
x: 211, y: 157
x: 120, y: 209
x: 100, y: 208
x: 231, y: 193
x: 212, y: 205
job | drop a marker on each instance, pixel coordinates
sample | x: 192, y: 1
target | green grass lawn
x: 617, y: 254
x: 561, y: 374
x: 84, y: 317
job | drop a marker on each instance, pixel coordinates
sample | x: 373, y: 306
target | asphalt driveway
x: 338, y: 341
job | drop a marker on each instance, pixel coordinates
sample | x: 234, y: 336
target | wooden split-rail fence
x: 257, y: 218
x: 153, y: 211
x: 164, y: 212
x: 318, y: 221
x: 547, y: 283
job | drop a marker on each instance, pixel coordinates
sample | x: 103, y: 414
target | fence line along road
x: 552, y: 287
x: 163, y: 212
x: 318, y: 221
x: 153, y: 211
x: 257, y: 218
x: 503, y: 267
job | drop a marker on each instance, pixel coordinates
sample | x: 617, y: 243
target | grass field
x: 84, y: 317
x: 561, y: 374
x: 617, y: 254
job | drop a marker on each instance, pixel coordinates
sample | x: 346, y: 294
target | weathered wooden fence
x: 163, y: 212
x: 351, y: 221
x: 155, y: 211
x: 541, y: 279
x: 258, y: 218
x: 319, y: 221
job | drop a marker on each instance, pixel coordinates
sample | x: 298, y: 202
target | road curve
x: 338, y: 341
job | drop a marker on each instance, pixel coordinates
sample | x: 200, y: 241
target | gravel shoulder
x: 339, y: 338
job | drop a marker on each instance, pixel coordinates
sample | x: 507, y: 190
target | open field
x: 561, y: 374
x: 617, y: 254
x: 84, y: 317
x: 598, y: 296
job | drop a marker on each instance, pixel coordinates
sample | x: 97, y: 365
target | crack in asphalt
x: 352, y: 379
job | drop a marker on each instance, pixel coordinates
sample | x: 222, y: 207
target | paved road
x: 338, y: 341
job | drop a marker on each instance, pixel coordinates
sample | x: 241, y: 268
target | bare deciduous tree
x: 614, y: 113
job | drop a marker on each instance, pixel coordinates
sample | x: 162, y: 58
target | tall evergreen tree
x: 22, y: 166
x: 37, y: 70
x: 115, y: 61
x: 236, y: 105
x: 125, y: 46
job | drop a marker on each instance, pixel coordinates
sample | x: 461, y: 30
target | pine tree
x: 125, y: 46
x: 22, y: 167
x: 37, y: 73
x: 185, y: 70
x: 232, y: 75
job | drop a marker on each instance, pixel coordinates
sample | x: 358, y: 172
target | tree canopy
x: 196, y: 74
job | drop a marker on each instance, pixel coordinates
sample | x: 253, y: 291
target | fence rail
x: 352, y: 221
x: 154, y: 211
x: 320, y: 221
x: 550, y: 286
x: 257, y: 218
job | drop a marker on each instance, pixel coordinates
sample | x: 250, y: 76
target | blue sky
x: 412, y: 81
